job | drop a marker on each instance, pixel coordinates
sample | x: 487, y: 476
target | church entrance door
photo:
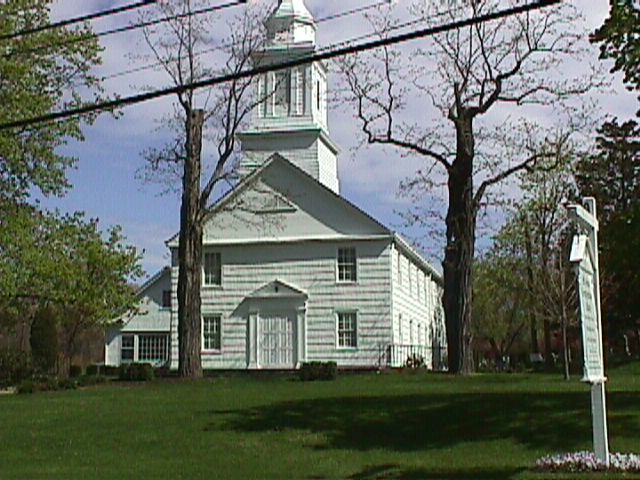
x: 277, y: 341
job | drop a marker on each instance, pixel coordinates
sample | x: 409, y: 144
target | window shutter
x: 261, y: 96
x: 299, y: 85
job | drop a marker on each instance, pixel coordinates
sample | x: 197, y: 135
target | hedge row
x: 310, y: 371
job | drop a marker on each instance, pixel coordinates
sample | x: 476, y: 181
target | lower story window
x: 211, y: 326
x: 153, y: 348
x: 347, y: 329
x: 126, y: 349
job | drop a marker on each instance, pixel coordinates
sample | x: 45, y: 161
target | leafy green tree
x: 619, y: 39
x: 44, y: 339
x: 530, y: 254
x: 612, y: 176
x: 69, y: 265
x: 500, y: 302
x: 41, y: 72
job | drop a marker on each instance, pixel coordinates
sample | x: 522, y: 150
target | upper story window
x: 347, y: 268
x: 262, y: 96
x: 399, y: 267
x: 166, y: 299
x: 212, y: 268
x: 282, y: 94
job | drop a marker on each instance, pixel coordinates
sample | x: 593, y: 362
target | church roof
x: 376, y: 229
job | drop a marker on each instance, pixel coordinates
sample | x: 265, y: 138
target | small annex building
x: 292, y: 271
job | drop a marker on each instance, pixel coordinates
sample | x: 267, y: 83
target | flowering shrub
x: 587, y: 462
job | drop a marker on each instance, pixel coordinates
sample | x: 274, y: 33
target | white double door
x: 276, y: 340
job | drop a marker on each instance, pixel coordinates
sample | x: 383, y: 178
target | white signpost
x: 584, y: 252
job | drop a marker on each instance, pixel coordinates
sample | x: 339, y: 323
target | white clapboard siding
x: 311, y: 267
x: 415, y: 299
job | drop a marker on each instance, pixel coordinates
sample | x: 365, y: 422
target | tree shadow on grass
x: 395, y: 472
x: 538, y: 421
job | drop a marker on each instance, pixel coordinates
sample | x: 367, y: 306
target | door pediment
x: 278, y: 289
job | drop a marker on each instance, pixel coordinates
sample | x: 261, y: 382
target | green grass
x: 386, y: 426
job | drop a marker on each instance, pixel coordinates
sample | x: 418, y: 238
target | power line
x: 80, y: 19
x: 317, y: 57
x: 327, y: 18
x: 128, y: 28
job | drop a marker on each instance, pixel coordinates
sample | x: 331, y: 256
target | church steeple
x: 291, y: 23
x: 291, y: 119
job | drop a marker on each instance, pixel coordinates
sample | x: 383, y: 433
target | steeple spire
x: 290, y: 22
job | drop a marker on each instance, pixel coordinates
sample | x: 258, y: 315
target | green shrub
x: 109, y: 370
x: 415, y: 361
x: 88, y: 380
x: 310, y: 371
x: 329, y: 371
x: 67, y: 384
x: 46, y: 383
x: 75, y: 371
x: 15, y: 366
x: 44, y: 339
x: 26, y: 386
x: 136, y: 372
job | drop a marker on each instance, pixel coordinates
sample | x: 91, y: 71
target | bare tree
x: 186, y: 51
x: 479, y: 83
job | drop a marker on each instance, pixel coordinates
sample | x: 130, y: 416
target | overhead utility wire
x: 80, y: 19
x: 335, y: 16
x: 128, y: 28
x: 401, y: 38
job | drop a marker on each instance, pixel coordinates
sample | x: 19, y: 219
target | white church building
x: 293, y: 272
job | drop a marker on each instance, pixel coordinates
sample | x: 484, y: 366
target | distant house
x: 293, y: 271
x: 144, y: 337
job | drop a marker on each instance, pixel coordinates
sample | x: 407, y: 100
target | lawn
x: 387, y: 426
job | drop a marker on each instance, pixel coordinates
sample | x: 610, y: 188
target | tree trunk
x: 565, y: 349
x: 533, y: 324
x: 190, y: 254
x: 548, y: 354
x: 459, y: 252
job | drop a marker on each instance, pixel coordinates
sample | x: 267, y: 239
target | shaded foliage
x: 612, y: 175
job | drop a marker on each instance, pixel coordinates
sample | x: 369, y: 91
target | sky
x: 106, y: 184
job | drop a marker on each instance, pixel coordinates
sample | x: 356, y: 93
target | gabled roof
x: 276, y: 160
x: 153, y: 279
x: 272, y: 162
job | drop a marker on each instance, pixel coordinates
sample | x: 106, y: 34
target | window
x: 347, y: 271
x: 399, y: 265
x: 153, y: 348
x: 166, y: 299
x: 347, y: 333
x: 212, y: 269
x: 409, y: 278
x: 262, y: 96
x: 126, y: 349
x: 211, y: 326
x: 299, y: 87
x: 282, y: 94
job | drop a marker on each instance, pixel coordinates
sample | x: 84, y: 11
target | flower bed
x: 587, y: 462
